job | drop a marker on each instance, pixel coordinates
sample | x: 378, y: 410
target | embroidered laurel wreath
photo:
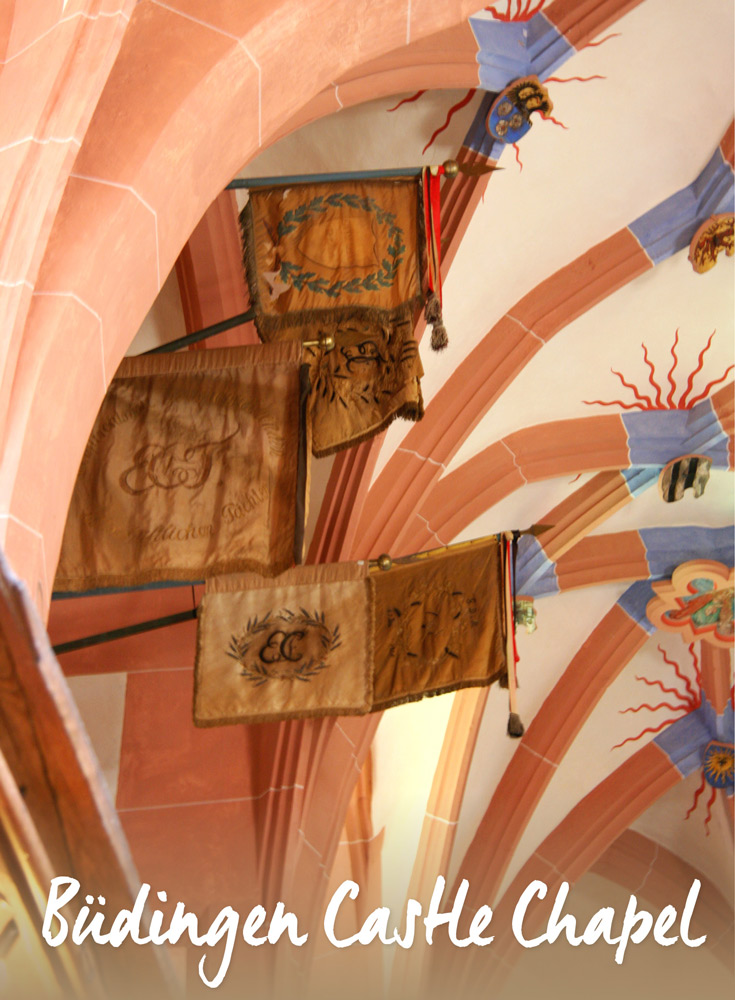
x: 295, y: 275
x: 284, y: 646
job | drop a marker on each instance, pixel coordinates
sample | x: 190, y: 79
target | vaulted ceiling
x: 581, y: 361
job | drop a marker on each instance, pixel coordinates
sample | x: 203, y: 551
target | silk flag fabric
x: 372, y: 376
x: 313, y: 251
x: 342, y: 260
x: 296, y: 647
x: 439, y: 624
x: 196, y: 466
x: 335, y: 639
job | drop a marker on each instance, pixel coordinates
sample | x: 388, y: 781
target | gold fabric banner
x: 342, y: 260
x: 371, y: 377
x: 439, y: 624
x: 299, y: 647
x: 192, y: 469
x: 332, y: 640
x: 350, y: 246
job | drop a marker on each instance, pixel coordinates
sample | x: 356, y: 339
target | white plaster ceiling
x: 633, y: 139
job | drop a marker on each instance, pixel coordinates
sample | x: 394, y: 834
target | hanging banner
x: 337, y: 640
x: 315, y: 251
x: 439, y: 624
x: 296, y: 647
x: 371, y: 377
x: 197, y: 465
x: 344, y: 261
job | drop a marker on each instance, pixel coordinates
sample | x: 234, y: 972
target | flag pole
x: 385, y: 561
x: 122, y: 633
x: 207, y: 331
x: 382, y: 563
x: 450, y: 167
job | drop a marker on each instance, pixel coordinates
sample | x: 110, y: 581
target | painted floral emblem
x: 712, y: 237
x: 697, y: 603
x: 718, y: 764
x: 284, y: 646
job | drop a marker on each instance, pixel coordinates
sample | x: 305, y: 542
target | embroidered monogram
x: 284, y: 646
x: 262, y: 655
x: 434, y: 627
x: 192, y: 469
x: 370, y: 378
x: 167, y: 467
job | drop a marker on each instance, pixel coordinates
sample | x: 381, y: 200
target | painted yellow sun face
x: 718, y: 764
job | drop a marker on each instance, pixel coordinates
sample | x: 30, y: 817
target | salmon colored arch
x: 467, y: 395
x: 647, y: 868
x: 543, y: 451
x: 565, y: 855
x: 540, y: 452
x: 139, y: 184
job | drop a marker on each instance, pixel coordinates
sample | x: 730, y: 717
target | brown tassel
x: 433, y: 315
x: 439, y: 338
x: 515, y: 726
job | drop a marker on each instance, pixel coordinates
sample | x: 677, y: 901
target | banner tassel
x: 432, y: 219
x: 433, y: 314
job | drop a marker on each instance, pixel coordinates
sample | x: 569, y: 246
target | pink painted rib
x: 480, y: 379
x: 561, y: 447
x: 610, y: 646
x: 565, y: 855
x: 582, y: 20
x: 603, y: 559
x: 659, y: 876
x: 727, y: 146
x: 211, y: 276
x: 586, y: 508
x: 590, y: 828
x: 723, y: 402
x: 716, y: 675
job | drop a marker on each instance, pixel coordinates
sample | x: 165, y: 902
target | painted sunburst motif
x: 718, y: 764
x: 685, y: 701
x: 665, y: 394
x: 716, y: 756
x: 521, y: 10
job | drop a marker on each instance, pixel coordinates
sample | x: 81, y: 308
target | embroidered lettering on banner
x: 434, y: 627
x: 284, y: 646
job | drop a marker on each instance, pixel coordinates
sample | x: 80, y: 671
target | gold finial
x: 451, y: 168
x: 385, y: 562
x: 325, y: 341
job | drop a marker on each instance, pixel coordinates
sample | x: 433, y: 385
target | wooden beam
x: 52, y: 762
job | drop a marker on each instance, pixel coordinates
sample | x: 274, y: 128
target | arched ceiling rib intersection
x: 549, y: 256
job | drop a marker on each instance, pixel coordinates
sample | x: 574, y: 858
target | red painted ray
x: 649, y: 729
x: 601, y: 41
x: 450, y: 114
x: 688, y: 701
x: 573, y: 79
x: 698, y: 792
x: 523, y: 12
x: 659, y: 684
x: 555, y: 121
x: 645, y: 402
x: 708, y: 817
x: 408, y: 100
